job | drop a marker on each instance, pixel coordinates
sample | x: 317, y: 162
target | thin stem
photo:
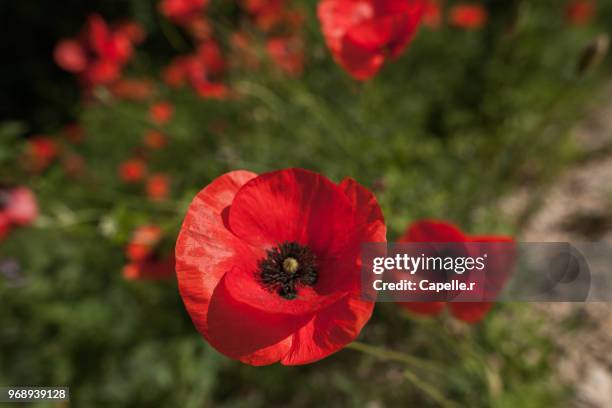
x: 390, y: 355
x: 400, y: 357
x: 429, y: 390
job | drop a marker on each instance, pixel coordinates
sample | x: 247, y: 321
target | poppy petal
x: 433, y: 231
x: 205, y: 247
x: 292, y: 205
x: 254, y: 336
x: 329, y: 331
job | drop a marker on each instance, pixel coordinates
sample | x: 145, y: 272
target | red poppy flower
x: 158, y: 186
x: 363, y: 34
x: 580, y: 12
x: 181, y: 11
x: 268, y: 265
x: 287, y: 53
x: 133, y: 170
x: 468, y: 16
x: 109, y: 45
x: 18, y: 207
x: 432, y: 17
x: 161, y: 112
x: 439, y: 231
x: 70, y: 55
x: 143, y: 242
x: 202, y: 70
x: 100, y: 52
x: 41, y: 151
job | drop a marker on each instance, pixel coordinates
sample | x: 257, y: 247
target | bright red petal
x: 254, y: 336
x: 292, y: 205
x: 205, y: 249
x: 329, y: 331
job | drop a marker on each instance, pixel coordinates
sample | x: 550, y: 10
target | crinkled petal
x: 206, y: 249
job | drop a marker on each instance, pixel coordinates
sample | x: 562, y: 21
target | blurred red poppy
x: 143, y: 242
x: 133, y: 170
x: 18, y: 207
x: 100, y: 52
x: 161, y: 112
x: 202, y: 70
x: 432, y: 17
x: 181, y: 11
x: 41, y: 152
x: 468, y: 16
x: 362, y: 35
x: 440, y: 231
x: 580, y: 12
x: 146, y: 260
x: 70, y: 56
x: 158, y: 186
x: 268, y: 265
x: 287, y: 54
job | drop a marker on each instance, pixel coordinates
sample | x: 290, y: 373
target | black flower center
x: 287, y: 267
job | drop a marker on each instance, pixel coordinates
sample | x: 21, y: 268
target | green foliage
x: 460, y: 120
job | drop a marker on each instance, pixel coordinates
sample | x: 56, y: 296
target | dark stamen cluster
x: 284, y: 277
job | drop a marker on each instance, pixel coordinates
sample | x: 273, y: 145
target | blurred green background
x: 461, y: 120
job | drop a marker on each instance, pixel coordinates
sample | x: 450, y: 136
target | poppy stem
x: 384, y: 354
x: 390, y: 355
